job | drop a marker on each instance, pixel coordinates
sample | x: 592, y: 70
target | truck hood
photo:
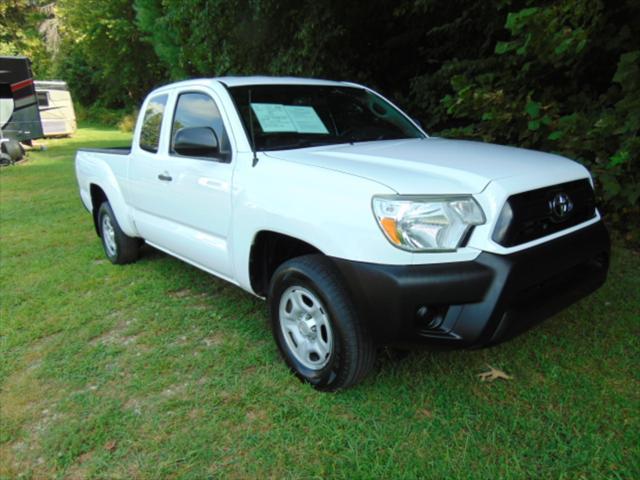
x: 435, y: 165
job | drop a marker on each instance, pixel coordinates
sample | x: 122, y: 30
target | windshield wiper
x: 305, y: 143
x: 368, y: 139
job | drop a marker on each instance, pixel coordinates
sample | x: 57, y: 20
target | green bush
x: 123, y: 119
x: 565, y: 79
x: 128, y: 122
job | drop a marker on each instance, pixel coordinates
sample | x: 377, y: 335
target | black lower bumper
x: 482, y: 302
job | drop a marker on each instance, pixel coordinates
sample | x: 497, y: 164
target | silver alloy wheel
x: 109, y: 236
x: 305, y: 327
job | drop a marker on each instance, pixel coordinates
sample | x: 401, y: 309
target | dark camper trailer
x: 19, y: 115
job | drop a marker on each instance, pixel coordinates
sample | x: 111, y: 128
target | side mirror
x: 196, y: 142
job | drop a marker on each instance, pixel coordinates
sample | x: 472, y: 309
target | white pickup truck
x: 358, y: 228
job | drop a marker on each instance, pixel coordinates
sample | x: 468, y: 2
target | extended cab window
x: 195, y: 109
x: 151, y: 124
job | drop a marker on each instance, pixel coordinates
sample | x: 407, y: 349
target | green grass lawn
x: 158, y: 370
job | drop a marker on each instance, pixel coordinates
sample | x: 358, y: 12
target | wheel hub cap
x: 109, y: 236
x: 304, y: 323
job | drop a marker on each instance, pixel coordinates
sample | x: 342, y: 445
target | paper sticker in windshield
x: 273, y: 117
x: 306, y: 119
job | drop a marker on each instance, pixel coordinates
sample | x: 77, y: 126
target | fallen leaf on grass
x: 111, y: 445
x: 425, y: 413
x: 493, y: 374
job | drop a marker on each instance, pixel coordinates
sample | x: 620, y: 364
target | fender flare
x: 109, y: 186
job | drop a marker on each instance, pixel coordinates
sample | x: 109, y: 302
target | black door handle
x: 165, y: 177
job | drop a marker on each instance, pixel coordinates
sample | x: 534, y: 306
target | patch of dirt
x: 201, y: 306
x: 143, y: 404
x: 77, y: 472
x: 256, y: 415
x: 213, y: 340
x: 185, y: 292
x: 229, y: 397
x: 175, y: 390
x: 196, y: 413
x: 135, y: 404
x: 181, y: 340
x: 85, y: 457
x: 116, y: 336
x: 250, y: 370
x: 44, y: 422
x: 349, y: 417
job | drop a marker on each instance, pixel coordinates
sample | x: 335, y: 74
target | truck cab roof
x: 241, y: 81
x: 267, y: 80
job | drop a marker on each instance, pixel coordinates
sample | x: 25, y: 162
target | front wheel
x: 316, y: 325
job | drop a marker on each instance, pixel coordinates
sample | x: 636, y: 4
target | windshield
x: 296, y: 116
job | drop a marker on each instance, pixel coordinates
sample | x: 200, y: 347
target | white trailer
x: 56, y: 108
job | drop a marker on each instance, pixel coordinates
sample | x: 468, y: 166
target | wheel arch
x: 98, y: 196
x: 100, y: 192
x: 269, y: 250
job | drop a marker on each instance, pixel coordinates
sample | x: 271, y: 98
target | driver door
x: 192, y: 216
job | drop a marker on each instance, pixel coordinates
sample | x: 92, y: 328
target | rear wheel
x: 118, y: 246
x: 316, y: 326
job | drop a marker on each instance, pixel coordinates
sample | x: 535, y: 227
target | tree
x: 20, y: 20
x: 102, y: 55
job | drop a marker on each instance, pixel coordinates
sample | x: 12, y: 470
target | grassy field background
x: 158, y: 370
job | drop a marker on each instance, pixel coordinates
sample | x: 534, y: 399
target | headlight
x: 426, y: 223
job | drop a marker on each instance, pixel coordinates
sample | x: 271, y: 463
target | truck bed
x: 102, y: 163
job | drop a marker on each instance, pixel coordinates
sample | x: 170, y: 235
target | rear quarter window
x: 152, y: 123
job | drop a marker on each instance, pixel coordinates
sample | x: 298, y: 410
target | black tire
x: 13, y: 149
x: 122, y: 248
x: 5, y: 159
x: 352, y: 354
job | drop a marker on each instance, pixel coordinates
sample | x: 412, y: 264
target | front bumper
x: 482, y: 302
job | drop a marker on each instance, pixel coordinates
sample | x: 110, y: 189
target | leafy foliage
x: 558, y: 76
x: 19, y: 35
x: 103, y: 57
x: 567, y: 80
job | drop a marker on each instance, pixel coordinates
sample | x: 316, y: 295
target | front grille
x: 531, y: 215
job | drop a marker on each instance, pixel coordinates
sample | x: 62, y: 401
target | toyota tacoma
x: 358, y: 228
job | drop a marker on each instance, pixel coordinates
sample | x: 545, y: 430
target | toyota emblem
x: 561, y: 205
